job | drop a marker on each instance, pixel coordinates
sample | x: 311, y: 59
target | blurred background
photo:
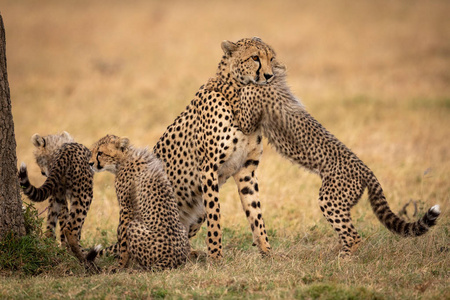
x: 374, y: 73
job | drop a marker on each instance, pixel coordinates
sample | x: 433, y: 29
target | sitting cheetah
x: 69, y: 178
x: 204, y: 146
x: 300, y: 138
x: 149, y: 228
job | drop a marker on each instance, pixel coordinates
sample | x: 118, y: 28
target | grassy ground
x: 376, y: 74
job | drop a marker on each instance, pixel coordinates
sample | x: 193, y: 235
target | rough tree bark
x: 11, y: 216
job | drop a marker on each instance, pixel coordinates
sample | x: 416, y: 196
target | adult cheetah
x: 300, y: 138
x: 69, y: 179
x: 149, y: 227
x: 204, y: 146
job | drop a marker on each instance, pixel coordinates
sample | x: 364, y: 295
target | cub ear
x: 37, y: 140
x: 228, y: 47
x: 257, y: 39
x: 123, y: 143
x: 66, y: 135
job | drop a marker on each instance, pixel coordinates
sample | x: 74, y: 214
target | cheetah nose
x: 268, y: 76
x: 91, y: 164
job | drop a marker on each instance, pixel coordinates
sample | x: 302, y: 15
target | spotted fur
x: 300, y: 138
x: 204, y: 146
x: 149, y: 229
x: 69, y: 180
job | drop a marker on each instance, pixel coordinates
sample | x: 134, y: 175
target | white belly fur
x: 245, y: 145
x: 235, y: 162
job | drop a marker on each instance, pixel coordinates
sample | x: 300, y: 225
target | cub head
x: 108, y: 152
x: 251, y: 61
x: 46, y: 146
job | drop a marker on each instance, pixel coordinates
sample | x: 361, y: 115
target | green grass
x: 375, y: 74
x: 385, y: 267
x: 300, y: 273
x: 32, y: 254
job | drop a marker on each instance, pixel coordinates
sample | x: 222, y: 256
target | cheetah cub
x: 300, y: 138
x: 69, y: 179
x: 149, y: 230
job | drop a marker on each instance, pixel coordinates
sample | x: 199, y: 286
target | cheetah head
x: 46, y: 146
x: 251, y: 61
x: 108, y: 152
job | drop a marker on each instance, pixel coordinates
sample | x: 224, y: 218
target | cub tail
x: 99, y: 251
x: 391, y: 220
x: 92, y: 254
x: 37, y: 194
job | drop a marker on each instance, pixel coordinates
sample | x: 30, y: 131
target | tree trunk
x: 11, y: 216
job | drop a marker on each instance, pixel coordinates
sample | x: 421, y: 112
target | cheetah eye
x: 272, y: 58
x: 99, y: 153
x: 255, y: 57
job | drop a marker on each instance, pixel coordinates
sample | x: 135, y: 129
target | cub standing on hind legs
x: 204, y: 146
x: 69, y: 178
x: 300, y: 138
x: 149, y: 227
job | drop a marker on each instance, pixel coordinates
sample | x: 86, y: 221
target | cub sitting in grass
x: 69, y: 178
x: 149, y: 227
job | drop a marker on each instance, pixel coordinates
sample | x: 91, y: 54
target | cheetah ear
x: 123, y: 143
x: 66, y: 135
x: 257, y: 39
x: 38, y: 141
x: 228, y: 47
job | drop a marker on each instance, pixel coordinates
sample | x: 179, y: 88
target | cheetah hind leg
x: 73, y: 242
x: 153, y: 253
x: 52, y: 217
x: 63, y: 217
x: 339, y: 217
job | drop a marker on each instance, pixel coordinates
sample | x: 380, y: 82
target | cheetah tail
x: 92, y: 254
x: 391, y: 220
x: 111, y: 250
x: 33, y: 193
x: 38, y: 194
x: 24, y: 182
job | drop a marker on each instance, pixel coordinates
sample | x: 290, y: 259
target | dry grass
x: 376, y: 74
